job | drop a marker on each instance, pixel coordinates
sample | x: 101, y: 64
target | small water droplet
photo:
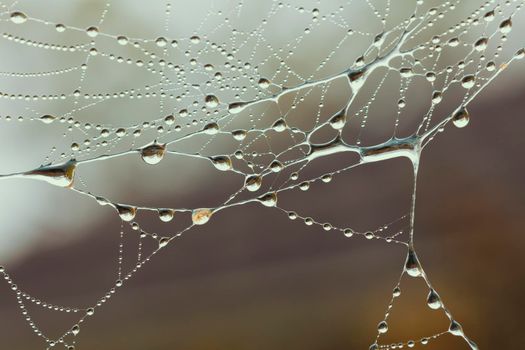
x: 338, y: 121
x: 163, y: 242
x: 239, y: 135
x: 211, y: 128
x: 456, y: 329
x: 433, y: 300
x: 122, y: 40
x: 468, y: 81
x: 253, y: 183
x: 412, y: 266
x: 279, y: 125
x: 222, y: 163
x: 126, y: 212
x: 161, y: 42
x: 269, y: 199
x: 166, y: 214
x: 211, y: 101
x: 75, y: 330
x: 47, y: 119
x: 382, y: 327
x: 92, y: 32
x: 236, y: 107
x: 264, y: 83
x: 506, y: 26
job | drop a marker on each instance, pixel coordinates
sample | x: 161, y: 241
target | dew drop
x: 264, y: 83
x: 201, y: 216
x: 279, y: 125
x: 211, y: 128
x: 47, y: 119
x: 163, y: 242
x: 75, y: 330
x: 253, y: 183
x: 338, y: 121
x: 412, y: 266
x: 222, y: 163
x: 468, y: 81
x: 18, y: 17
x: 481, y: 44
x: 506, y: 26
x: 195, y: 39
x: 122, y: 40
x: 433, y: 300
x: 461, y: 118
x: 269, y: 199
x: 161, y: 42
x: 126, y: 212
x: 239, y: 135
x: 382, y: 327
x: 92, y: 32
x: 211, y: 101
x: 152, y: 154
x: 61, y: 175
x: 166, y: 214
x: 236, y: 107
x: 456, y: 329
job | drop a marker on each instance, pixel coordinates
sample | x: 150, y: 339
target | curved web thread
x: 231, y: 95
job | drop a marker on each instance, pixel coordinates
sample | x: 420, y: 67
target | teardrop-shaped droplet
x: 122, y: 40
x: 18, y: 17
x: 433, y: 300
x: 269, y: 199
x: 253, y: 182
x: 456, y: 329
x: 338, y: 121
x: 75, y: 329
x: 481, y: 44
x: 61, y: 175
x: 163, y: 242
x: 222, y: 163
x: 506, y: 26
x: 166, y: 214
x: 279, y: 125
x: 152, y: 154
x: 412, y: 266
x: 92, y: 32
x: 276, y: 166
x: 211, y: 101
x: 201, y: 216
x: 382, y: 327
x: 239, y: 135
x: 461, y: 118
x: 211, y: 128
x: 236, y: 107
x: 264, y: 83
x: 161, y: 42
x: 406, y: 72
x: 126, y: 212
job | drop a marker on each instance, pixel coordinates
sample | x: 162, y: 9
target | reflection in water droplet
x: 236, y: 107
x: 201, y: 216
x: 412, y: 266
x: 163, y: 242
x: 47, y: 119
x: 18, y: 17
x: 75, y: 329
x: 382, y: 327
x: 61, y: 175
x: 506, y: 26
x: 166, y: 214
x: 269, y: 199
x: 253, y: 183
x: 126, y: 213
x: 222, y: 163
x: 211, y: 101
x: 152, y: 154
x: 468, y: 81
x: 433, y: 300
x: 461, y: 118
x: 456, y: 329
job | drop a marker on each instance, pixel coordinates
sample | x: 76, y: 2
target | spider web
x: 253, y: 92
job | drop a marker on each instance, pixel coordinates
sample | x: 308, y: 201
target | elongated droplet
x: 433, y: 300
x: 338, y: 121
x: 201, y: 216
x: 47, y: 119
x: 236, y: 107
x: 61, y: 175
x: 163, y: 242
x: 126, y: 212
x: 269, y: 199
x: 166, y: 214
x: 152, y: 154
x: 461, y: 118
x: 412, y: 266
x: 222, y: 163
x: 456, y: 329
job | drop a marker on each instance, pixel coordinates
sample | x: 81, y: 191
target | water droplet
x: 75, y: 329
x: 126, y: 212
x: 60, y: 28
x: 122, y: 40
x: 163, y: 242
x: 211, y: 101
x: 433, y: 300
x: 47, y: 119
x: 166, y: 214
x: 382, y: 327
x: 201, y: 216
x: 269, y: 199
x: 169, y: 120
x: 412, y: 266
x: 506, y: 26
x: 239, y: 135
x: 222, y: 163
x: 338, y: 121
x: 461, y: 118
x: 468, y: 81
x: 481, y: 44
x: 279, y: 125
x: 264, y: 83
x: 61, y: 175
x: 92, y: 32
x: 18, y: 17
x: 456, y: 329
x: 211, y: 128
x: 152, y: 154
x: 90, y: 311
x: 253, y: 183
x: 406, y: 72
x: 276, y: 166
x: 195, y: 39
x: 396, y: 292
x: 161, y: 42
x: 236, y: 107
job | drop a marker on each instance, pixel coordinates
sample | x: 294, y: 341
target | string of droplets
x: 391, y: 50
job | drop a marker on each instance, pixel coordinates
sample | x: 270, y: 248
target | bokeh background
x: 252, y: 278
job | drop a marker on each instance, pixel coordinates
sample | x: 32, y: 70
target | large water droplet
x: 279, y: 125
x: 338, y: 121
x: 253, y: 183
x: 433, y: 300
x: 61, y: 175
x: 211, y: 101
x: 47, y: 119
x: 456, y: 329
x: 92, y: 32
x: 461, y: 118
x: 75, y: 329
x: 468, y: 81
x: 152, y: 154
x: 236, y: 107
x: 166, y: 214
x: 382, y: 327
x: 18, y: 17
x: 269, y: 199
x: 222, y: 163
x: 201, y: 216
x: 506, y: 26
x: 126, y: 212
x: 412, y: 266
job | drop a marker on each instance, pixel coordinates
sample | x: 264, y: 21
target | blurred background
x: 252, y: 278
